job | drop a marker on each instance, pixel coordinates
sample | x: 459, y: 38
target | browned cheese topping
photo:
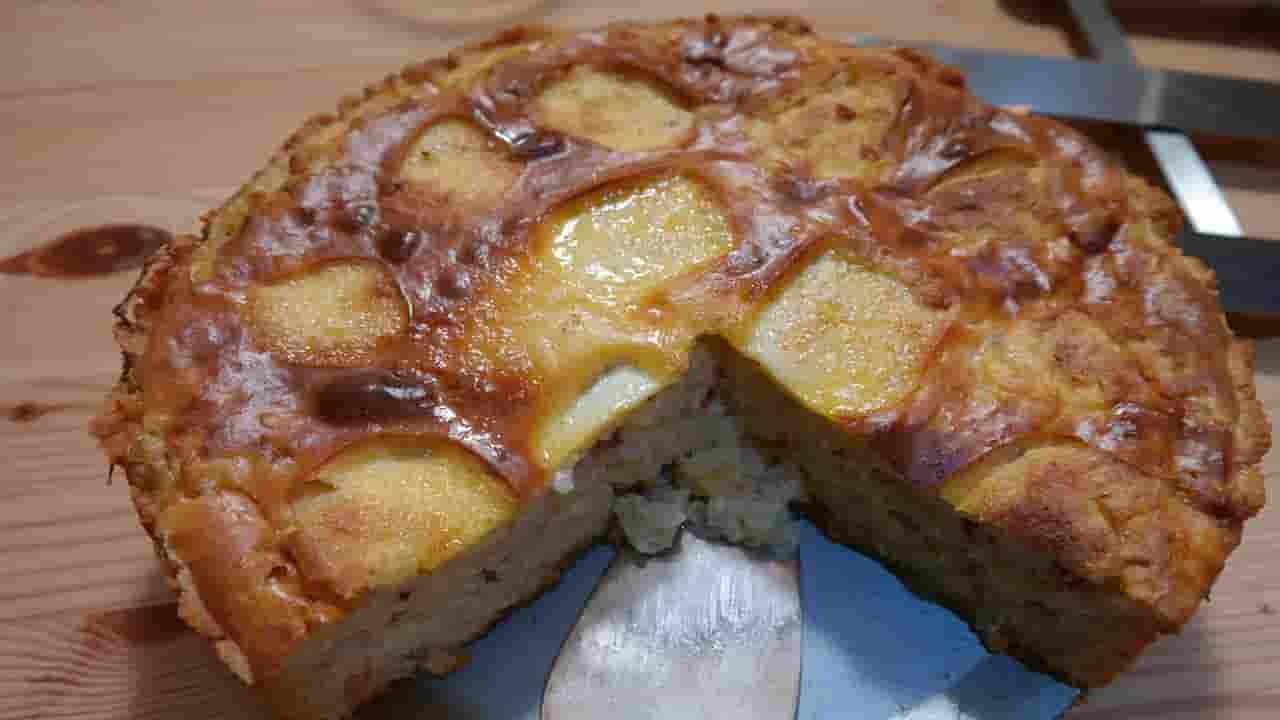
x: 440, y: 265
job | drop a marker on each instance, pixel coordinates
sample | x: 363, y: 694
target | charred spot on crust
x: 538, y: 145
x: 398, y: 246
x: 453, y: 283
x: 1095, y: 239
x: 358, y: 217
x: 369, y: 396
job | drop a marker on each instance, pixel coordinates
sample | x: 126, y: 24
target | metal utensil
x: 875, y: 650
x: 1166, y: 104
x: 997, y: 688
x: 1188, y: 177
x: 652, y: 644
x: 1110, y: 91
x: 707, y: 631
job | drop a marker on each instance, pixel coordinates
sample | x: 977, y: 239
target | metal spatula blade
x: 707, y: 631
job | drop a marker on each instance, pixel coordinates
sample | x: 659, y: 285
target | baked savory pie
x: 397, y: 382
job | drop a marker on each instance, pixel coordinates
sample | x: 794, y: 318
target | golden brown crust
x: 1101, y: 519
x: 1068, y: 313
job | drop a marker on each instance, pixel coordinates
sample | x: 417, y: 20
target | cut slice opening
x: 736, y: 449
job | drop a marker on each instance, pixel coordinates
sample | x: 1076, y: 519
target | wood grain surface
x: 152, y: 112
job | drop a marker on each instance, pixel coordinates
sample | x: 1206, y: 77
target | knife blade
x: 1110, y: 92
x: 1127, y: 94
x: 1246, y: 268
x: 706, y: 631
x: 1243, y: 266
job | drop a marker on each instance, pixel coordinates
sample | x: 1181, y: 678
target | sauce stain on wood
x: 138, y: 626
x: 30, y: 410
x: 89, y: 252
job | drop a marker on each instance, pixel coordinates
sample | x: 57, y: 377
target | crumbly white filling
x: 683, y: 460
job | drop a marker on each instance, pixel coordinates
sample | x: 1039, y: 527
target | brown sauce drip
x: 354, y: 210
x: 366, y: 396
x: 89, y: 252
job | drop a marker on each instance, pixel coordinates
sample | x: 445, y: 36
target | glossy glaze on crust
x: 1051, y: 304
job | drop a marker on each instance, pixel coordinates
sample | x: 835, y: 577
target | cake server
x: 707, y: 631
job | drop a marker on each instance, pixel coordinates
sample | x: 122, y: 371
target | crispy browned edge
x: 117, y: 424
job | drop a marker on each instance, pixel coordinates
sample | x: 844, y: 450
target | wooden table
x: 154, y: 112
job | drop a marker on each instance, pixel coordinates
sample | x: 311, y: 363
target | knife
x: 706, y: 631
x: 1114, y: 91
x: 1247, y: 270
x: 1166, y: 104
x: 1244, y: 266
